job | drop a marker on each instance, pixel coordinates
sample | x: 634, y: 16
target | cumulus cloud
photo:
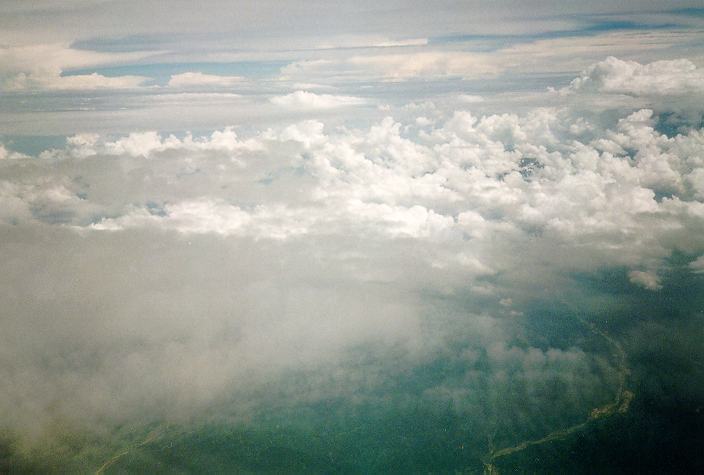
x: 308, y: 262
x: 197, y: 79
x: 554, y: 55
x: 492, y: 179
x: 145, y: 144
x: 697, y: 265
x: 646, y: 279
x: 678, y: 77
x: 309, y: 100
x: 43, y: 67
x: 469, y: 98
x: 77, y: 82
x: 6, y: 154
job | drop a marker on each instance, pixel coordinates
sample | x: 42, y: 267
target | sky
x: 351, y: 236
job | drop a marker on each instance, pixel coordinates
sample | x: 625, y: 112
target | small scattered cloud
x: 697, y: 265
x: 308, y: 100
x: 44, y: 67
x: 198, y: 79
x: 310, y: 86
x: 397, y: 66
x: 646, y: 279
x: 354, y: 41
x: 93, y: 81
x: 401, y: 43
x: 6, y: 154
x: 470, y: 98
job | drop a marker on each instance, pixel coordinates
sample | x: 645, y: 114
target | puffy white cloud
x: 197, y: 79
x: 6, y: 154
x: 53, y: 80
x: 553, y: 55
x: 57, y: 56
x: 215, y: 217
x: 645, y: 279
x: 42, y: 67
x: 469, y: 98
x: 678, y: 77
x: 145, y: 144
x: 310, y: 101
x: 492, y: 180
x: 697, y: 265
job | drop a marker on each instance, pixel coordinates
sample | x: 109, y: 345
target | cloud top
x: 678, y: 77
x: 311, y: 101
x: 197, y: 79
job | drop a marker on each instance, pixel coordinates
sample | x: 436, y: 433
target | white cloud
x: 697, y: 265
x: 6, y: 154
x: 646, y: 279
x: 42, y: 67
x: 77, y: 82
x: 397, y: 43
x: 678, y: 77
x: 493, y: 179
x: 575, y: 53
x: 469, y: 98
x: 197, y: 79
x: 237, y: 257
x: 148, y: 143
x: 308, y: 100
x: 552, y: 55
x: 358, y: 41
x: 310, y: 86
x: 397, y: 66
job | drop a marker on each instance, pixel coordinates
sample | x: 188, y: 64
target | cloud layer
x: 153, y: 277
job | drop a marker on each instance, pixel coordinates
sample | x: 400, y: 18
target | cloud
x: 359, y: 41
x: 552, y: 55
x: 43, y: 67
x: 430, y: 64
x: 646, y: 279
x: 306, y: 262
x: 79, y: 82
x: 197, y: 79
x: 396, y: 67
x: 397, y: 43
x: 697, y: 265
x: 145, y: 144
x: 215, y: 217
x: 492, y: 179
x: 678, y: 77
x: 470, y: 98
x: 310, y: 85
x: 311, y: 101
x: 6, y: 154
